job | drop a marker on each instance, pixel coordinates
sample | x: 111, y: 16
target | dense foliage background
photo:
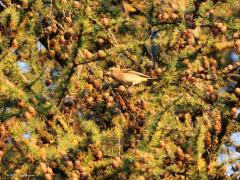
x: 63, y: 118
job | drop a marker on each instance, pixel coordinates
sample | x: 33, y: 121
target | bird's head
x: 113, y: 71
x: 155, y: 34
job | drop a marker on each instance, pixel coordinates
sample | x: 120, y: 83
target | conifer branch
x: 72, y: 70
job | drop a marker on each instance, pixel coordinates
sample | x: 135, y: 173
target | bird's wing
x: 155, y: 49
x: 125, y: 69
x: 129, y: 71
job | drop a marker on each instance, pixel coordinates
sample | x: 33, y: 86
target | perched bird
x: 127, y: 76
x: 155, y: 47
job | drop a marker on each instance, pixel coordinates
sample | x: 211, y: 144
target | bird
x: 127, y: 76
x: 155, y: 47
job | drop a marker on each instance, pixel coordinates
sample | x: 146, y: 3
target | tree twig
x: 72, y: 71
